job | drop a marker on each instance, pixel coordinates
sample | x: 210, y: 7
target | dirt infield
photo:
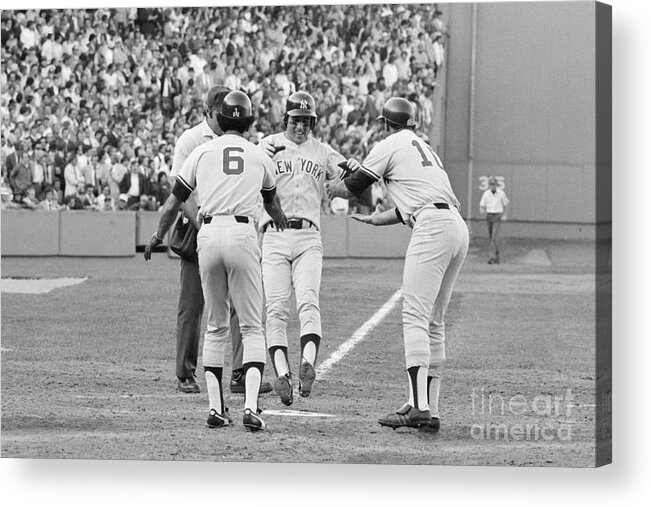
x: 88, y: 370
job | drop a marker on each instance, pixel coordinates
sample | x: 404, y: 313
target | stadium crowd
x: 93, y: 101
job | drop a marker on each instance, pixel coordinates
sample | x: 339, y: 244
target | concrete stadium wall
x: 88, y: 234
x: 538, y: 230
x: 521, y: 104
x: 368, y: 241
x: 91, y: 234
x: 334, y: 235
x: 71, y: 233
x: 146, y: 225
x: 30, y: 233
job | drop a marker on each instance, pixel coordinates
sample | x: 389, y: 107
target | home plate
x: 295, y: 413
x: 37, y: 285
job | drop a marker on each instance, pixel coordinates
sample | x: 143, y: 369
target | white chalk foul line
x: 294, y: 413
x: 368, y: 326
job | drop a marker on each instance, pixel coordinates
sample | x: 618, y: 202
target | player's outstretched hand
x: 271, y: 149
x: 153, y: 243
x: 368, y: 219
x: 349, y: 166
x: 268, y: 148
x: 353, y: 165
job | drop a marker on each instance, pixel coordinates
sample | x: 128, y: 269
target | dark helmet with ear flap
x: 236, y: 106
x: 301, y: 104
x: 398, y: 112
x: 236, y: 112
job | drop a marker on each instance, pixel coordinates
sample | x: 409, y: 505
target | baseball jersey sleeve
x: 377, y: 162
x: 182, y: 150
x: 186, y: 179
x: 333, y: 159
x: 268, y: 178
x: 505, y: 200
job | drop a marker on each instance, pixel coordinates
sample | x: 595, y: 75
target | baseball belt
x: 438, y: 205
x: 293, y: 223
x: 238, y: 218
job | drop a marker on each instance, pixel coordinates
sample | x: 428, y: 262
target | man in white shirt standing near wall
x: 493, y: 202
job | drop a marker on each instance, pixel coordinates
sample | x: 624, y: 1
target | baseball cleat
x: 239, y: 387
x: 217, y: 420
x: 188, y: 385
x: 284, y: 389
x: 306, y: 376
x: 253, y: 422
x: 407, y: 416
x: 433, y: 427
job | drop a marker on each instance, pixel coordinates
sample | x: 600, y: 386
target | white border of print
x: 79, y: 482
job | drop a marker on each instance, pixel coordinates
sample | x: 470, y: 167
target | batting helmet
x: 301, y: 104
x: 236, y: 106
x: 235, y: 113
x: 398, y: 112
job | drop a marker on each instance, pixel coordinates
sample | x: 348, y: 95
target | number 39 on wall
x: 483, y: 182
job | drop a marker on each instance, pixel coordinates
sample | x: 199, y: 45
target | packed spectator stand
x: 92, y: 101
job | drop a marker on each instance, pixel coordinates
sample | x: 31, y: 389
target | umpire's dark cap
x: 216, y: 95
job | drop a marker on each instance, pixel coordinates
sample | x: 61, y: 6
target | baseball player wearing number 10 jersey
x: 424, y: 200
x: 293, y: 258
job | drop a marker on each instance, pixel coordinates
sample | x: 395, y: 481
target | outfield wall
x: 27, y: 233
x: 73, y: 233
x: 522, y: 104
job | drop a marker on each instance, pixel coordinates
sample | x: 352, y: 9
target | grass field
x: 88, y: 370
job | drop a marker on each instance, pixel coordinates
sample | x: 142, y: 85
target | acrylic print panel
x: 526, y: 381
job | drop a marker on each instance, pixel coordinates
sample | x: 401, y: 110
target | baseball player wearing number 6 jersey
x: 228, y: 174
x: 191, y: 300
x: 293, y: 258
x: 424, y: 199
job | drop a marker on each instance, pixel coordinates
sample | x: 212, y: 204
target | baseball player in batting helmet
x: 398, y: 112
x: 293, y: 258
x: 191, y: 298
x: 229, y: 173
x: 301, y: 104
x: 420, y: 187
